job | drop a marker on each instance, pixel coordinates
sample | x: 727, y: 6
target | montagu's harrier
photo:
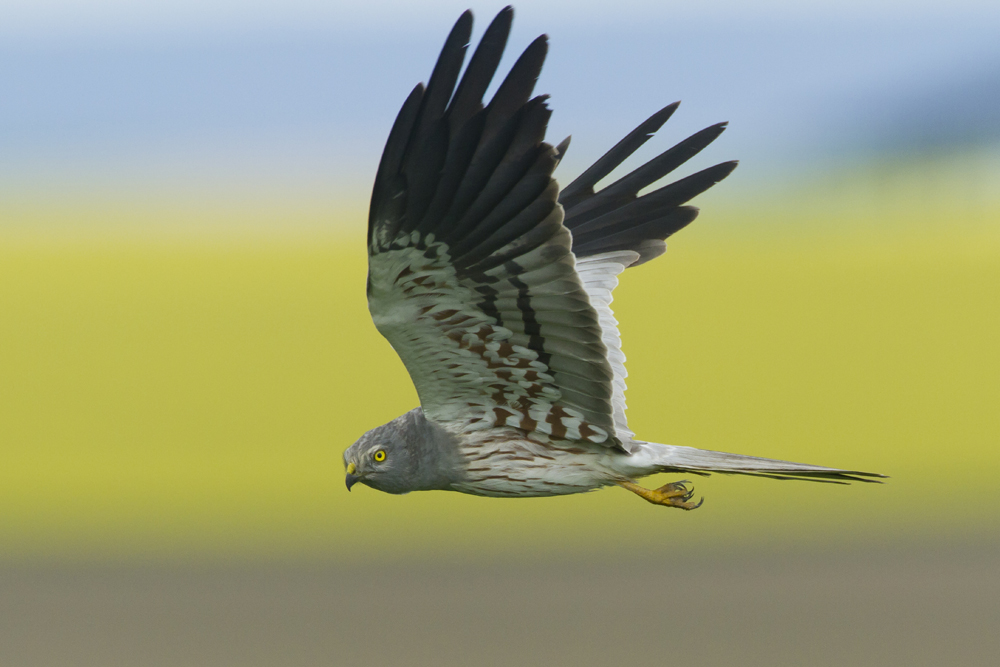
x: 494, y: 287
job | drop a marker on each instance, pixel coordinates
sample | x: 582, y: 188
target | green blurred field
x: 188, y: 396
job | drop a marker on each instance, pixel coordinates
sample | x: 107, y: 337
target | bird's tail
x: 670, y: 458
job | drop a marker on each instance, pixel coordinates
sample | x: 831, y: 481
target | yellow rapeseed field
x: 189, y: 396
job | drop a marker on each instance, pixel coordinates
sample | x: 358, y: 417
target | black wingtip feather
x: 682, y: 191
x: 632, y: 230
x: 562, y: 147
x: 395, y: 150
x: 664, y: 163
x: 615, y: 217
x: 517, y: 87
x: 468, y: 99
x: 446, y: 71
x: 423, y: 171
x: 584, y: 184
x: 589, y: 206
x: 502, y: 162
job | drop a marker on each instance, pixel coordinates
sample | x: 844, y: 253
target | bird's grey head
x: 407, y: 454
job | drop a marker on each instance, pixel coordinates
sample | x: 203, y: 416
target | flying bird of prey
x: 494, y: 287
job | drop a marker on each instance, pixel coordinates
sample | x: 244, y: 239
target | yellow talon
x: 675, y: 494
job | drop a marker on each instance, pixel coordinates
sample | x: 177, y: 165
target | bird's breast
x: 507, y: 464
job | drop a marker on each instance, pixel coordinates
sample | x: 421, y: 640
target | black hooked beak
x: 352, y: 479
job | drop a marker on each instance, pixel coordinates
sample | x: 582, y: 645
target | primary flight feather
x: 494, y: 287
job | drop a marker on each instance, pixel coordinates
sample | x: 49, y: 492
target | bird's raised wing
x: 500, y: 311
x: 614, y: 228
x: 471, y: 277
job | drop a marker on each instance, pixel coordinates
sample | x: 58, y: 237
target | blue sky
x: 298, y: 96
x: 45, y: 19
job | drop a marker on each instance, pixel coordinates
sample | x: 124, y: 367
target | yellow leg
x: 675, y: 494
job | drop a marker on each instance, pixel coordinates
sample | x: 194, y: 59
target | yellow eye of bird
x: 380, y: 455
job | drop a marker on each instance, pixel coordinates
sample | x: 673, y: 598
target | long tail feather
x: 669, y: 458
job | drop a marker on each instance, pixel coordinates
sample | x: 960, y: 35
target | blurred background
x: 185, y: 349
